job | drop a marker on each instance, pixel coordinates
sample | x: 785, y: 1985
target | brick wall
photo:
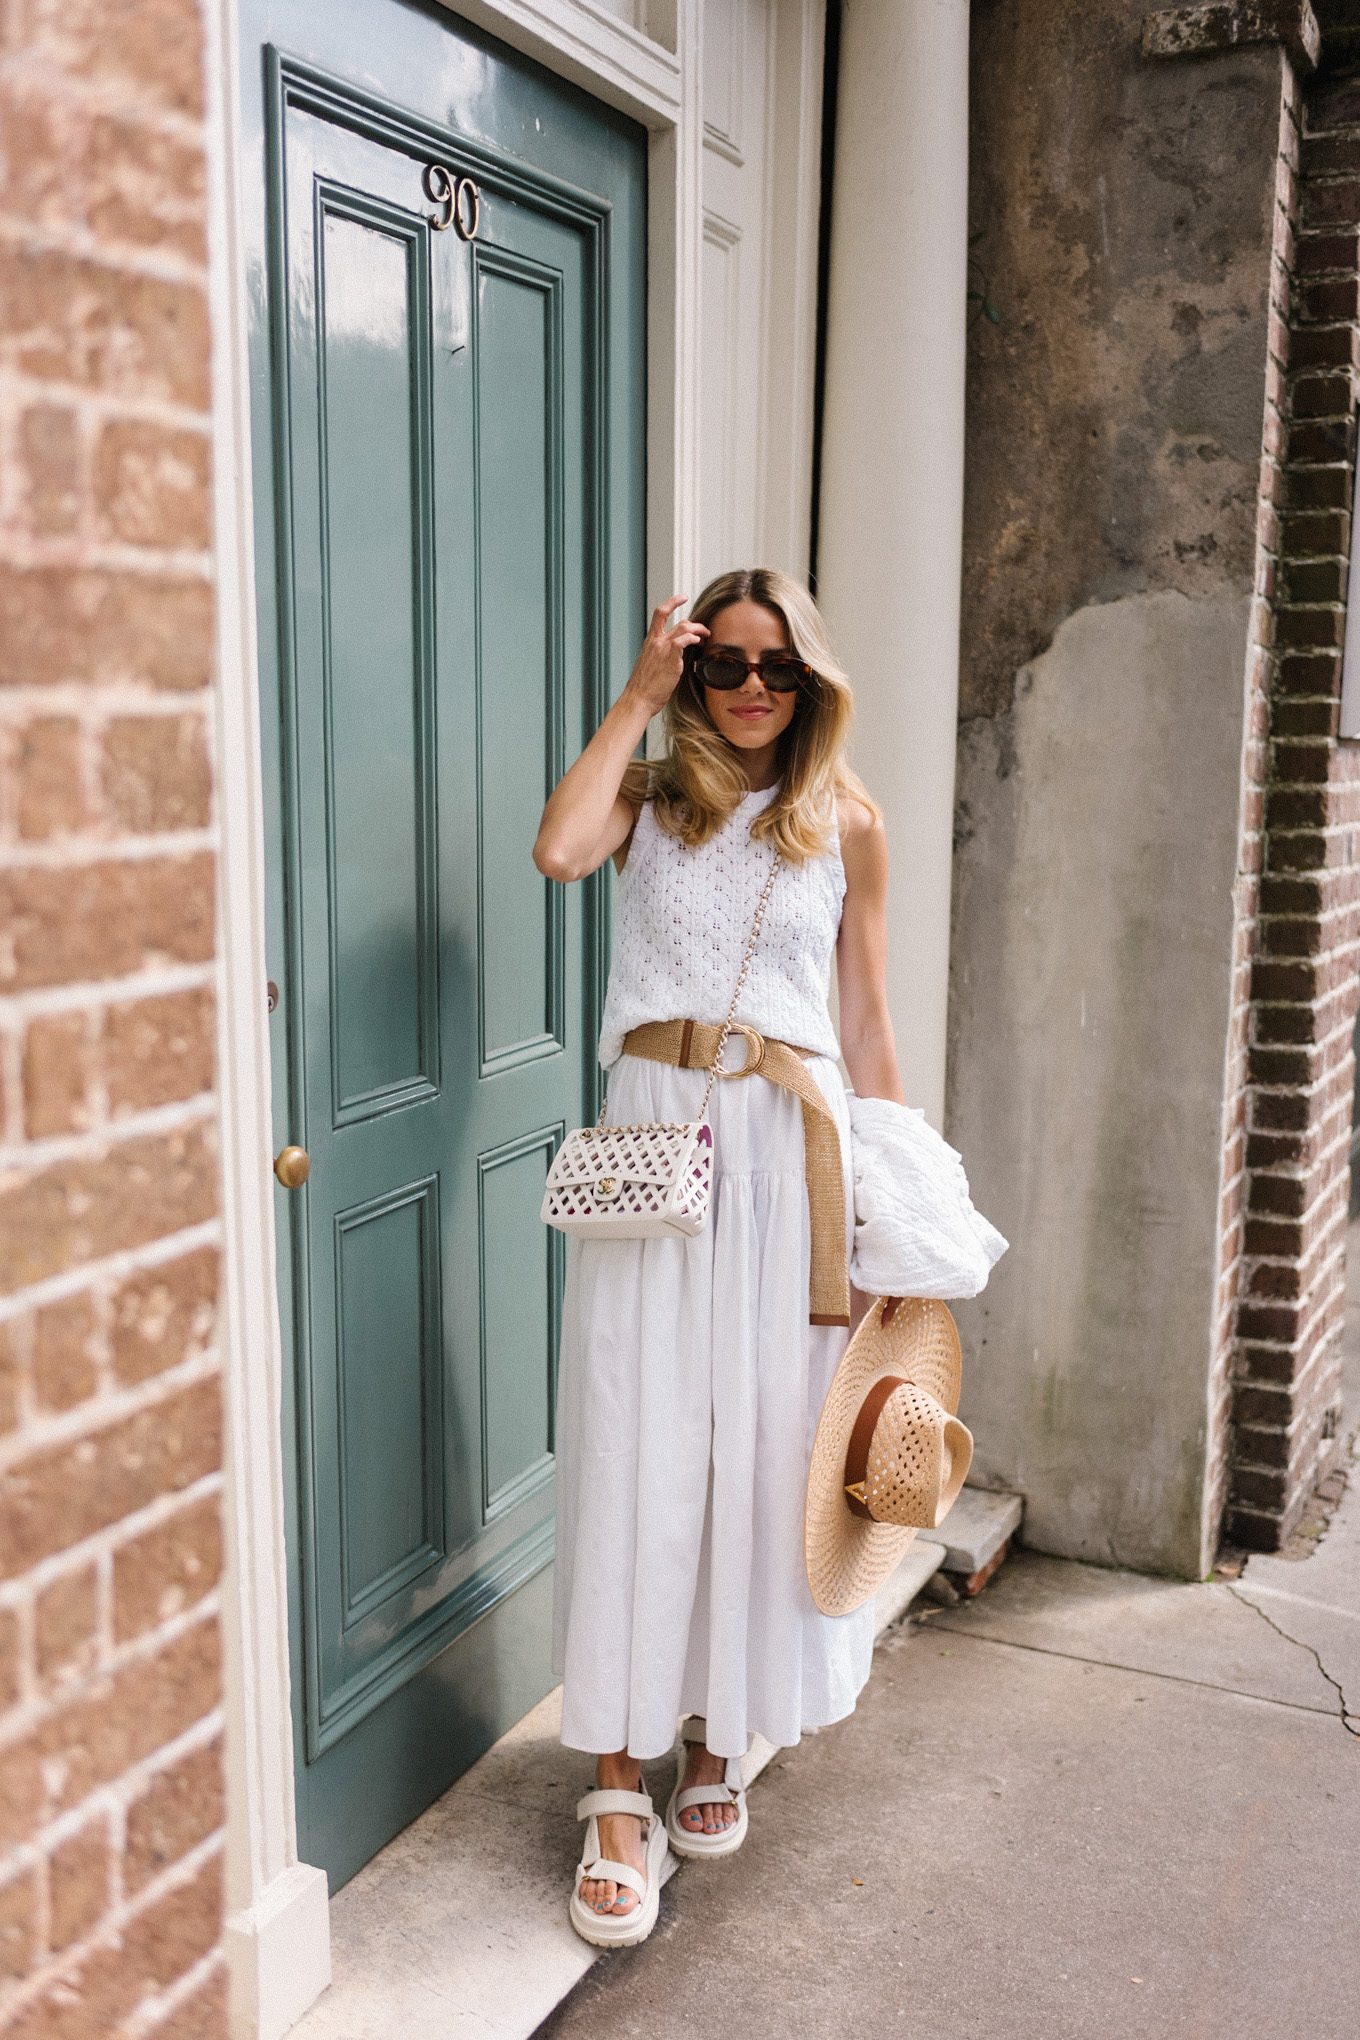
x: 110, y: 1409
x: 1260, y: 686
x: 1291, y: 1063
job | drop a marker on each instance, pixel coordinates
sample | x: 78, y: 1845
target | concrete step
x: 975, y: 1529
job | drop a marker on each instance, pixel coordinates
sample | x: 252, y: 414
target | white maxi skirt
x: 689, y: 1388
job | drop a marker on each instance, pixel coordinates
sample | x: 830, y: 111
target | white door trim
x: 278, y: 1925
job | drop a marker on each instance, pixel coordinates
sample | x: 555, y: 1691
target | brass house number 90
x: 460, y: 198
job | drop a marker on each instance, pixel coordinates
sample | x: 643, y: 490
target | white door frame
x: 278, y: 1935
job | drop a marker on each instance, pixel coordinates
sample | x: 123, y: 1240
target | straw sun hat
x: 889, y: 1456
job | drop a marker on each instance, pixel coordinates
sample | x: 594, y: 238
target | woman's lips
x: 749, y: 714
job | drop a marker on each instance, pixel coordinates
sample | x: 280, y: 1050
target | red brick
x: 1258, y: 1486
x: 15, y: 1342
x: 1296, y: 764
x: 65, y: 1352
x: 1334, y: 203
x: 147, y: 187
x: 1318, y: 441
x: 51, y: 799
x: 57, y: 1496
x: 1317, y: 488
x: 105, y: 919
x: 43, y: 133
x: 67, y: 318
x: 18, y: 1925
x: 66, y: 1627
x: 159, y: 1050
x: 1305, y: 719
x: 202, y: 2015
x: 1315, y: 533
x: 1329, y: 298
x: 1320, y: 252
x: 161, y: 1943
x: 1323, y: 347
x: 156, y: 773
x: 56, y: 1075
x: 1320, y: 625
x: 152, y: 485
x: 21, y: 1789
x: 165, y: 1314
x: 167, y: 1569
x: 1253, y: 1530
x: 155, y: 50
x: 1310, y: 673
x: 1321, y: 395
x: 1330, y: 155
x: 52, y: 467
x: 11, y: 1658
x: 127, y: 1715
x: 141, y: 1190
x: 78, y: 1884
x: 59, y: 624
x: 1299, y: 807
x: 181, y: 1806
x: 1315, y: 581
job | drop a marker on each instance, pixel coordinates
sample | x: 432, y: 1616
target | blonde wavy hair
x: 697, y: 782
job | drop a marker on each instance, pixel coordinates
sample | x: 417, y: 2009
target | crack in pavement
x: 1350, y: 1723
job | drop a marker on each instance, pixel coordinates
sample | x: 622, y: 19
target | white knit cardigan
x: 916, y: 1230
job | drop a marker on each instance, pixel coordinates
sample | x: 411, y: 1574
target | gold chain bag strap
x: 634, y: 1182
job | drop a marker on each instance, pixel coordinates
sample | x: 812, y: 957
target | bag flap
x: 632, y: 1154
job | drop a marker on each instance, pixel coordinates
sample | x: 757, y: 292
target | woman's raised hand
x: 661, y: 661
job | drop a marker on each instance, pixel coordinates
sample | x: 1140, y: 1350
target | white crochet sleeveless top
x: 681, y: 921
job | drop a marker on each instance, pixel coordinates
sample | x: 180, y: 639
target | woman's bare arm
x: 586, y: 818
x: 866, y: 1028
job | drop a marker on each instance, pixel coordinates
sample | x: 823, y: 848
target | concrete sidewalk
x: 1087, y: 1804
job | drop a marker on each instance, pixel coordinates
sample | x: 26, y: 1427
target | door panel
x: 449, y: 496
x: 373, y: 367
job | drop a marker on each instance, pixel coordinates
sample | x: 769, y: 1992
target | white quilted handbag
x: 634, y: 1182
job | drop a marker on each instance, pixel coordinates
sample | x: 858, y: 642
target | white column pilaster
x: 890, y: 544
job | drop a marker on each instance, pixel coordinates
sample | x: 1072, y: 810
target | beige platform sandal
x: 618, y: 1930
x: 731, y: 1790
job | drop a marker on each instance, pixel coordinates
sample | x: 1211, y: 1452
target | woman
x: 692, y: 1371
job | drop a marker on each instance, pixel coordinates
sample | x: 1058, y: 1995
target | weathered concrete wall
x: 1092, y: 986
x: 1123, y: 210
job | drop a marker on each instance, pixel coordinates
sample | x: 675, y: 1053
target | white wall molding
x: 891, y: 532
x: 761, y: 188
x: 792, y: 152
x: 268, y: 1891
x: 614, y: 60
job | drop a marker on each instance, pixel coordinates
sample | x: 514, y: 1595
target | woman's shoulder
x: 857, y: 816
x: 864, y: 841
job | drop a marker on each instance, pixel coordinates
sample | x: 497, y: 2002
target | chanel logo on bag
x: 607, y: 1187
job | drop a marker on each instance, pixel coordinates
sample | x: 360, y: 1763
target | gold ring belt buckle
x: 755, y: 1051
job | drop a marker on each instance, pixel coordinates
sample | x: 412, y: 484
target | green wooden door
x: 448, y: 432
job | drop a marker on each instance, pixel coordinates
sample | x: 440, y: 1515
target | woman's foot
x: 620, y: 1838
x: 703, y: 1768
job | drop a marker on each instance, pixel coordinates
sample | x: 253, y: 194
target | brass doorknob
x: 292, y: 1166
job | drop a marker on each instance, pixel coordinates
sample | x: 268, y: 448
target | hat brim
x: 848, y: 1557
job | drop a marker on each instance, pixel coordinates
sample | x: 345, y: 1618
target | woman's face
x: 750, y: 716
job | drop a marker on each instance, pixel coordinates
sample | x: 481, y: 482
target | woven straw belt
x: 692, y: 1045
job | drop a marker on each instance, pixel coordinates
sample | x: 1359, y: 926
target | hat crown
x: 918, y: 1455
